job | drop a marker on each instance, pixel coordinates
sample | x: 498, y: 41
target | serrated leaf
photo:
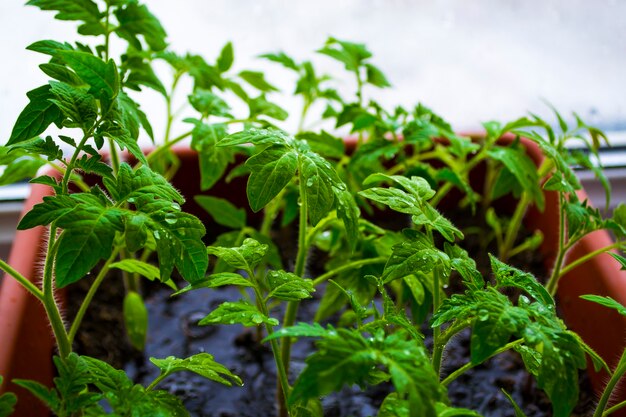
x: 136, y: 20
x: 146, y: 270
x: 509, y: 276
x: 49, y: 47
x: 287, y: 286
x: 18, y: 165
x: 260, y: 106
x: 218, y: 280
x: 202, y: 364
x: 131, y: 118
x: 411, y: 256
x: 46, y: 395
x: 140, y: 73
x: 38, y: 114
x: 271, y: 170
x: 102, y: 77
x: 130, y: 185
x: 222, y: 211
x: 497, y: 320
x: 257, y: 80
x: 256, y: 137
x: 239, y: 312
x: 52, y: 208
x: 78, y: 106
x: 465, y: 266
x: 323, y: 144
x: 319, y: 179
x: 87, y: 238
x: 246, y: 257
x: 81, y: 10
x: 7, y: 403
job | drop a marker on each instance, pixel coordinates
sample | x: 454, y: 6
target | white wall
x: 469, y: 60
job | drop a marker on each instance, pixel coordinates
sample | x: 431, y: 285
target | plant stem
x: 352, y: 265
x: 608, y: 390
x: 49, y: 303
x: 588, y: 257
x: 154, y: 383
x: 553, y: 282
x: 514, y: 226
x: 90, y: 294
x: 292, y: 306
x: 613, y: 409
x: 454, y: 375
x: 283, y: 380
x: 437, y: 347
x: 24, y: 282
x: 164, y: 147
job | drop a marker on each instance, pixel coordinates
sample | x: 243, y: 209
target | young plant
x: 382, y: 292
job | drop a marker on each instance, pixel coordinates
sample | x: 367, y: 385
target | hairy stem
x: 49, y: 303
x: 553, y: 282
x: 24, y: 282
x: 437, y: 347
x: 588, y: 257
x: 610, y: 386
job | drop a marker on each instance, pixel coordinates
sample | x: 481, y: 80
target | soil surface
x: 173, y: 330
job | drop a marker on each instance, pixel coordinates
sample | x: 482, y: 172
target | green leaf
x: 77, y: 106
x: 497, y: 320
x: 130, y: 185
x: 225, y: 60
x: 80, y: 10
x: 52, y: 208
x: 319, y: 179
x: 130, y: 116
x: 218, y: 280
x: 136, y: 20
x: 287, y: 286
x: 509, y: 276
x: 202, y: 364
x: 46, y: 395
x: 324, y: 144
x: 239, y: 312
x: 260, y: 106
x: 7, y: 402
x: 345, y: 357
x: 524, y: 170
x: 300, y: 330
x: 518, y: 410
x: 213, y: 159
x: 443, y: 410
x: 465, y: 266
x: 18, y: 165
x: 246, y: 257
x: 209, y: 104
x: 414, y: 255
x: 606, y: 301
x: 135, y: 319
x: 283, y: 59
x: 271, y: 170
x: 257, y: 137
x: 257, y: 80
x: 38, y: 114
x: 89, y: 231
x: 146, y: 270
x: 349, y: 213
x: 49, y: 47
x: 102, y: 77
x: 376, y: 77
x: 350, y: 54
x: 222, y: 211
x: 140, y: 73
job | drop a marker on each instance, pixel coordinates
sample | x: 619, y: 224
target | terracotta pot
x: 26, y: 343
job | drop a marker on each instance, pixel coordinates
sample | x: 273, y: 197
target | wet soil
x: 173, y: 330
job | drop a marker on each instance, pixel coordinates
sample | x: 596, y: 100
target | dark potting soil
x: 173, y: 330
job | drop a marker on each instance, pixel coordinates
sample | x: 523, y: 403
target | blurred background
x: 469, y: 61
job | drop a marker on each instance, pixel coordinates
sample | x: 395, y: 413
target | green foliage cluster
x: 382, y: 284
